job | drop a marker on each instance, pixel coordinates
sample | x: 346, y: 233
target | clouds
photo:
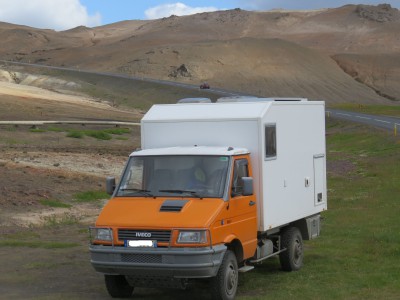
x: 58, y: 15
x: 178, y: 9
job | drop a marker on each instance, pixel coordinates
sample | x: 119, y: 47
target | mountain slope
x: 283, y: 53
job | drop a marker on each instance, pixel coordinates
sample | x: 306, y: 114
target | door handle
x: 251, y: 203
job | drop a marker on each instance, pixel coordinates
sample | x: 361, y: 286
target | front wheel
x: 292, y: 258
x: 224, y: 285
x: 117, y: 286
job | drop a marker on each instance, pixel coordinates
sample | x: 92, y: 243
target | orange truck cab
x: 214, y: 191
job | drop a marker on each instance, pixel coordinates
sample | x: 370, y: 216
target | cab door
x: 242, y: 209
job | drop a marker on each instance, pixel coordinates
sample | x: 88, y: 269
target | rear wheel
x: 224, y: 285
x: 292, y: 258
x: 117, y: 286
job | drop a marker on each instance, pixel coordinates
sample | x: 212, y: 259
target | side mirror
x: 110, y: 185
x: 247, y: 186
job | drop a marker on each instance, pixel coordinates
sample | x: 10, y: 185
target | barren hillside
x: 341, y: 55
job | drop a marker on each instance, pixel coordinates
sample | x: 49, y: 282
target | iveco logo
x: 143, y: 234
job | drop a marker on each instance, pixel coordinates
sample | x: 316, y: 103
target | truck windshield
x: 181, y: 175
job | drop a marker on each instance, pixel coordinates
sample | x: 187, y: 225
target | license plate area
x: 140, y: 244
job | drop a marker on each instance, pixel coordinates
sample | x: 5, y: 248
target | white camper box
x: 290, y: 185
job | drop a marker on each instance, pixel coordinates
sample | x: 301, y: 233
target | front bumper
x: 164, y: 262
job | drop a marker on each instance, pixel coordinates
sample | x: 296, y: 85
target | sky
x: 66, y: 14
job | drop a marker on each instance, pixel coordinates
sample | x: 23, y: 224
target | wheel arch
x: 302, y: 226
x: 236, y: 247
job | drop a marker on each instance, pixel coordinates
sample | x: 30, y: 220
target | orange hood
x: 154, y: 213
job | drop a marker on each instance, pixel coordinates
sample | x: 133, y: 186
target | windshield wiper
x: 192, y: 193
x: 138, y: 191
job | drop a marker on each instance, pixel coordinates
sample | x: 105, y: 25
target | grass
x: 90, y: 196
x: 75, y: 134
x: 117, y: 131
x: 37, y: 130
x: 32, y: 239
x: 122, y: 138
x: 37, y: 244
x: 104, y: 134
x: 357, y: 255
x: 63, y: 220
x: 55, y: 129
x: 393, y: 111
x: 54, y: 203
x: 100, y: 134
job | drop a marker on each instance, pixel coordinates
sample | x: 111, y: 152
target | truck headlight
x: 101, y: 234
x: 192, y: 237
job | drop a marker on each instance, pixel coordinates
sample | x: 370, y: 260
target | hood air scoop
x: 173, y: 205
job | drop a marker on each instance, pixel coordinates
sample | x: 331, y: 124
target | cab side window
x: 240, y: 170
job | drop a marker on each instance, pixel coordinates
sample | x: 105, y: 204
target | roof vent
x: 237, y: 99
x: 173, y: 205
x: 290, y: 99
x: 256, y: 99
x: 194, y: 100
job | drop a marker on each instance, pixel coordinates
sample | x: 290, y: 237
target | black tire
x: 117, y: 286
x: 292, y: 258
x: 224, y: 285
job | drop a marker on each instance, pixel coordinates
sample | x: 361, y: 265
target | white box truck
x: 216, y: 189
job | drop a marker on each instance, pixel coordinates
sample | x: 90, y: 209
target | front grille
x: 161, y: 236
x: 142, y: 258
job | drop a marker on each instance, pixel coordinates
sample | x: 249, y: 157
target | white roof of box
x: 195, y: 150
x: 215, y: 111
x: 206, y: 111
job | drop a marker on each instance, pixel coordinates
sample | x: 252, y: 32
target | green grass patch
x: 102, y: 134
x: 385, y: 110
x: 54, y: 203
x: 117, y: 131
x: 90, y: 196
x: 75, y: 134
x: 22, y: 235
x: 11, y: 128
x: 98, y: 134
x: 37, y: 130
x: 57, y: 220
x: 55, y: 129
x: 37, y: 244
x: 39, y: 265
